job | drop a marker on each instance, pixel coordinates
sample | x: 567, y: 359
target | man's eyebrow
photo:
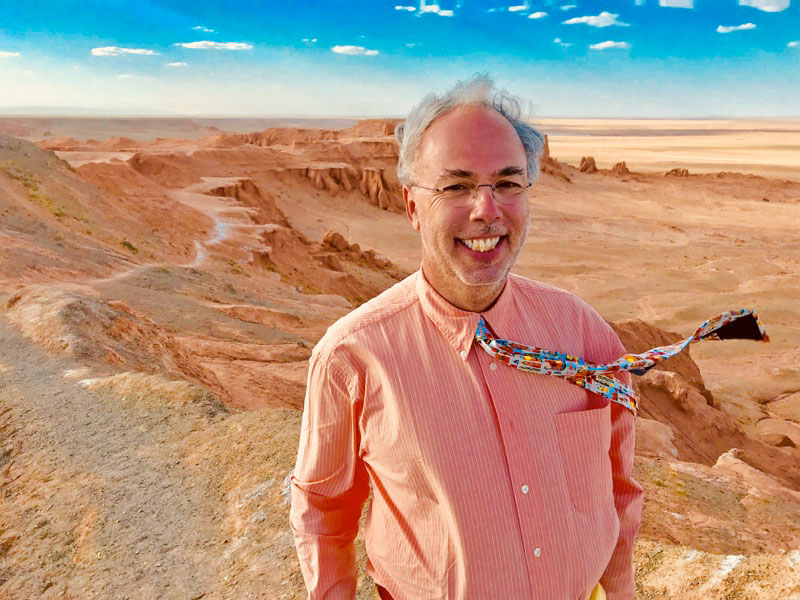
x: 509, y: 171
x: 504, y: 172
x: 456, y: 173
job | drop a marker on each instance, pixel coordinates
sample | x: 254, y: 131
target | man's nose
x: 484, y: 205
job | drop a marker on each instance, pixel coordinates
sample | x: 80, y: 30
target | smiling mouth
x: 482, y: 244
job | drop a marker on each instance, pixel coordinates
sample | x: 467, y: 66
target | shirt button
x: 525, y: 489
x: 537, y: 552
x: 493, y: 366
x: 463, y: 354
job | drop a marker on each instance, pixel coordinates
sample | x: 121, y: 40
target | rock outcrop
x: 550, y: 165
x: 587, y: 165
x: 677, y: 173
x: 166, y: 169
x: 61, y: 143
x: 620, y: 169
x: 378, y: 187
x: 674, y: 394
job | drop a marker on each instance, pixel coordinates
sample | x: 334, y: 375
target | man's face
x: 480, y: 144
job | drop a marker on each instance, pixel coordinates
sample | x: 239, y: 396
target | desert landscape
x: 162, y: 283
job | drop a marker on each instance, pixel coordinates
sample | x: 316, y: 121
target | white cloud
x: 729, y: 28
x: 569, y: 6
x: 26, y: 72
x: 8, y: 54
x: 434, y: 9
x: 116, y: 51
x: 127, y: 77
x: 610, y: 44
x: 429, y: 8
x: 766, y: 5
x: 176, y: 64
x: 354, y: 50
x: 518, y: 8
x: 793, y: 44
x: 408, y: 8
x: 561, y: 43
x: 537, y: 15
x: 492, y: 10
x: 411, y: 44
x: 206, y: 45
x: 310, y: 40
x: 676, y: 3
x: 203, y: 29
x: 604, y: 19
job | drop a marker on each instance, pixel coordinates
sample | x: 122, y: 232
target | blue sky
x: 613, y: 58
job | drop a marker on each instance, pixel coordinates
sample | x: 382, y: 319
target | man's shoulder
x: 374, y: 313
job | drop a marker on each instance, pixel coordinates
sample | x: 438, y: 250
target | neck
x: 471, y: 298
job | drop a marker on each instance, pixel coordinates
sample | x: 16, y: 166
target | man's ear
x: 411, y: 208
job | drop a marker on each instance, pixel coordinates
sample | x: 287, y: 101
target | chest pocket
x: 584, y: 439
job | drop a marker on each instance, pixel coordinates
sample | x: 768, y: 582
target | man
x: 487, y: 481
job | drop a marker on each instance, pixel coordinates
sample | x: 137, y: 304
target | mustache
x: 488, y: 231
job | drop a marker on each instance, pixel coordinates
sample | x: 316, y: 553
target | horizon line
x: 102, y: 115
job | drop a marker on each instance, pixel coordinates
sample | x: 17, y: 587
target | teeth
x: 482, y: 245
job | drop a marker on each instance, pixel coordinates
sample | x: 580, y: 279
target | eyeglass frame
x: 474, y: 194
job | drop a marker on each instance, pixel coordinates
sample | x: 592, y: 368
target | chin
x: 483, y: 278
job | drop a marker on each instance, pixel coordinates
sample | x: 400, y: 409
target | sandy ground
x: 158, y: 309
x: 762, y: 147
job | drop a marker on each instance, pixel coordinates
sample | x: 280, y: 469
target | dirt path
x: 231, y: 219
x: 95, y: 501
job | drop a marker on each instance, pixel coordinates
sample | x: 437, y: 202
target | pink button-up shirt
x: 488, y: 482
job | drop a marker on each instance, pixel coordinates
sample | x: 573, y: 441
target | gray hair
x: 477, y: 91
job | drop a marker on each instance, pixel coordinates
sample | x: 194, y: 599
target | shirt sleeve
x: 330, y: 483
x: 617, y: 580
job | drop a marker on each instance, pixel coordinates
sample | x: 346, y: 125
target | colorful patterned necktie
x: 738, y: 324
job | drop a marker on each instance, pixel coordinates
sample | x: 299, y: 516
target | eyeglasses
x: 463, y: 193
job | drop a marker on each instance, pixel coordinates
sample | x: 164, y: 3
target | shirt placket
x: 522, y: 471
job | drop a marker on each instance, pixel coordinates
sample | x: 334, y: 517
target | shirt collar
x: 458, y: 326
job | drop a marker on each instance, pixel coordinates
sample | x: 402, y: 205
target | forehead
x: 469, y: 138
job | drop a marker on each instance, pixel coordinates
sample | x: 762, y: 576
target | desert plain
x: 162, y: 283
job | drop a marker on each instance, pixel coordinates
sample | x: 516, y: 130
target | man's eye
x: 507, y: 185
x: 455, y: 187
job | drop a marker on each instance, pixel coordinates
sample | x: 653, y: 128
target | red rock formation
x: 371, y: 128
x: 60, y: 143
x: 118, y: 143
x: 248, y: 193
x: 677, y: 173
x: 336, y: 242
x: 620, y: 169
x: 673, y: 393
x: 549, y: 165
x: 373, y: 186
x: 166, y: 169
x: 588, y: 165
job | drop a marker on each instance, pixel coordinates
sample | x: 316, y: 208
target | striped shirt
x: 488, y: 482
